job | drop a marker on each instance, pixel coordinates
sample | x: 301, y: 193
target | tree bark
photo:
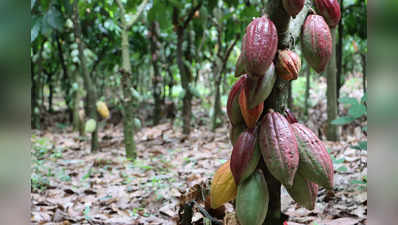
x: 88, y: 82
x: 128, y: 101
x: 331, y: 133
x: 307, y: 89
x: 364, y: 64
x: 339, y: 52
x: 217, y: 101
x: 156, y: 80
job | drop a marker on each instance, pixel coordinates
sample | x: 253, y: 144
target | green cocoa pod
x: 304, y: 192
x: 233, y: 107
x: 235, y: 132
x: 252, y: 200
x: 258, y: 90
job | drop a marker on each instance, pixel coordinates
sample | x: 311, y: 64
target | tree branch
x: 191, y: 14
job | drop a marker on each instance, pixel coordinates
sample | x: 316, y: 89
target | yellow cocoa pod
x: 223, y: 187
x: 102, y: 109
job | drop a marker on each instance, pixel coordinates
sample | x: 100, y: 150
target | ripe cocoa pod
x: 291, y: 118
x: 245, y: 156
x: 279, y: 147
x: 303, y: 192
x: 235, y: 132
x: 315, y: 162
x: 233, y: 108
x: 223, y: 187
x: 252, y: 200
x: 260, y: 45
x: 288, y: 65
x: 249, y: 115
x: 257, y: 91
x: 316, y: 42
x: 293, y: 7
x: 102, y: 109
x: 330, y: 10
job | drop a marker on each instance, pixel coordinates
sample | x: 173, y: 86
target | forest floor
x: 71, y: 185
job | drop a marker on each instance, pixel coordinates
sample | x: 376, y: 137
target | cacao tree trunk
x: 156, y: 80
x: 35, y: 124
x: 217, y: 100
x: 88, y: 82
x: 51, y: 92
x: 364, y: 64
x: 307, y: 89
x: 278, y: 99
x: 339, y: 52
x: 331, y: 132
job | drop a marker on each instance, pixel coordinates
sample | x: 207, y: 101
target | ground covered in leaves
x: 71, y: 185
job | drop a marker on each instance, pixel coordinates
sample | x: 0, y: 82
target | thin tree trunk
x: 35, y: 113
x: 156, y: 80
x: 128, y: 101
x: 217, y: 100
x: 51, y: 92
x: 364, y: 64
x: 331, y: 133
x: 88, y: 82
x: 339, y: 52
x: 307, y: 89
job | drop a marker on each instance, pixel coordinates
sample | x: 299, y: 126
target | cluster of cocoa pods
x: 292, y: 153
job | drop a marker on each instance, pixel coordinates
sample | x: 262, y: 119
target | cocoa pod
x: 288, y: 65
x: 249, y: 115
x: 233, y: 108
x: 223, y: 187
x: 330, y: 10
x: 102, y: 109
x: 291, y: 118
x: 260, y: 45
x: 235, y: 132
x: 240, y: 67
x: 279, y: 147
x: 316, y: 42
x: 315, y: 162
x: 252, y: 200
x: 245, y: 156
x: 293, y: 7
x: 303, y: 192
x: 257, y: 91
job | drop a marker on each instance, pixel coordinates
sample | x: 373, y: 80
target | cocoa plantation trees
x: 270, y: 147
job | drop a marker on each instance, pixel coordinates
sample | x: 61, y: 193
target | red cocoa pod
x: 235, y: 132
x: 233, y: 108
x: 304, y: 192
x: 279, y: 147
x: 249, y: 115
x: 290, y: 116
x: 245, y: 156
x: 316, y: 42
x: 288, y: 65
x: 257, y: 91
x: 315, y: 162
x: 293, y: 7
x: 330, y: 10
x: 260, y: 45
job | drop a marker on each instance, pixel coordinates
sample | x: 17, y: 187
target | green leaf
x: 34, y: 32
x: 357, y: 110
x: 343, y: 120
x: 342, y: 169
x: 364, y: 98
x: 54, y: 19
x: 194, y: 91
x: 32, y: 3
x: 362, y: 145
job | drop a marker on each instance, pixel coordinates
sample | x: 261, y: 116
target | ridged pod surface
x: 235, y: 132
x: 260, y: 45
x: 316, y: 42
x: 304, y: 192
x: 257, y: 91
x: 279, y: 147
x: 252, y: 200
x: 245, y: 156
x: 293, y: 7
x: 288, y: 65
x: 233, y: 108
x: 249, y: 115
x: 315, y: 162
x: 223, y: 187
x: 330, y: 10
